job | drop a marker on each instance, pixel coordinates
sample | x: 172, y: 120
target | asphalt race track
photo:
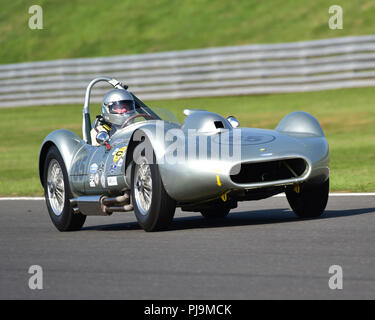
x: 260, y: 251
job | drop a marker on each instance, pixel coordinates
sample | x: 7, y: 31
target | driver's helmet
x: 118, y: 106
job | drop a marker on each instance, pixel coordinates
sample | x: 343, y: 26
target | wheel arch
x: 66, y: 142
x: 157, y: 146
x: 300, y: 122
x: 42, y: 158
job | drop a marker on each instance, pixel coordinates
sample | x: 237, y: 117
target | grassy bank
x: 347, y: 117
x: 79, y: 28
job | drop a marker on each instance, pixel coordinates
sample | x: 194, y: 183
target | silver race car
x: 153, y: 164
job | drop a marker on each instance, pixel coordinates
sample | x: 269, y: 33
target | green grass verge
x: 82, y: 28
x: 347, y: 116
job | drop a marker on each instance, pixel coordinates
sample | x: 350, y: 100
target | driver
x: 118, y: 106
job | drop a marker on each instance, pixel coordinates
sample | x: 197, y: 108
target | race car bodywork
x: 120, y: 174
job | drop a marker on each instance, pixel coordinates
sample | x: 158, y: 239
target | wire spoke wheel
x: 55, y: 187
x: 143, y: 187
x: 153, y: 207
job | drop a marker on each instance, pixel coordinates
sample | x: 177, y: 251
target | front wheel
x: 311, y: 201
x: 57, y: 193
x: 153, y: 207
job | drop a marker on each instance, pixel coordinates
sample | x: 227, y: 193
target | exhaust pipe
x: 125, y: 208
x: 117, y: 204
x: 101, y: 205
x: 120, y: 200
x: 88, y: 205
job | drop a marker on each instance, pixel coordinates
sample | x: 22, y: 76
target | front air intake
x: 268, y: 171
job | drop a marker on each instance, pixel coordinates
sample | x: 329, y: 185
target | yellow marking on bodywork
x: 218, y: 180
x: 119, y: 154
x: 262, y: 149
x: 297, y: 188
x: 224, y: 197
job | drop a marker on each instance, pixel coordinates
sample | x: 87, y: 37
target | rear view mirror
x: 102, y: 137
x: 233, y: 121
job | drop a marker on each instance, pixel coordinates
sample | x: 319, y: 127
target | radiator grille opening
x: 268, y: 171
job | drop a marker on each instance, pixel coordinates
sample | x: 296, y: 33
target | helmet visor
x: 121, y: 107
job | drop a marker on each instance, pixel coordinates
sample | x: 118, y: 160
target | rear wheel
x: 57, y: 193
x: 215, y: 212
x: 311, y: 201
x: 153, y: 207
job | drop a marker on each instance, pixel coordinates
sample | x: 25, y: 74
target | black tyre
x: 311, y: 201
x: 57, y: 193
x: 215, y: 212
x: 153, y: 207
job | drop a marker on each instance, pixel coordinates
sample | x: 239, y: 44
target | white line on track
x: 22, y: 198
x: 343, y: 194
x: 354, y: 194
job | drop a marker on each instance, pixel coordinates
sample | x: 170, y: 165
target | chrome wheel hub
x: 55, y: 187
x: 143, y: 187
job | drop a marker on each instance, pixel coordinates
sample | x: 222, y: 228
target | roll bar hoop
x: 86, y: 121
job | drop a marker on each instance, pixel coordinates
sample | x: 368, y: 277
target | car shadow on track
x: 257, y: 217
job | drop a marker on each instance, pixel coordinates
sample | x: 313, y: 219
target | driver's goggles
x: 120, y: 107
